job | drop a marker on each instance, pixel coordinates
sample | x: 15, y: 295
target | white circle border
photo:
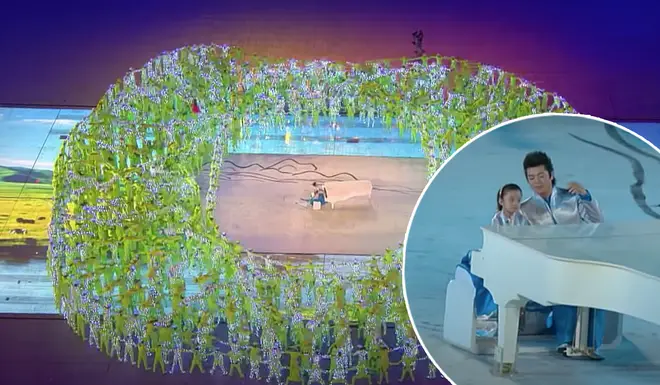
x: 437, y: 172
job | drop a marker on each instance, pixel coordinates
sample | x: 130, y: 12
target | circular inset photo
x: 533, y: 255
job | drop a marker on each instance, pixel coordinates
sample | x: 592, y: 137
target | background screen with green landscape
x: 29, y: 144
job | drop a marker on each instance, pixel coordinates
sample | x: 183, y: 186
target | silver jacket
x: 518, y: 219
x: 564, y: 209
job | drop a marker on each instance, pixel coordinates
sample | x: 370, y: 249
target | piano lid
x: 634, y: 245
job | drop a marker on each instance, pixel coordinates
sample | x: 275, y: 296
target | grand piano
x: 614, y: 267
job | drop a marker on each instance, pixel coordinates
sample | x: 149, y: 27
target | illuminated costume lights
x: 135, y: 255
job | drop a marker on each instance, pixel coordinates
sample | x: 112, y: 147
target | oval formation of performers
x: 141, y: 270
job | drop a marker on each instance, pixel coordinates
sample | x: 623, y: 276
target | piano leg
x: 507, y: 337
x: 581, y: 339
x: 586, y: 319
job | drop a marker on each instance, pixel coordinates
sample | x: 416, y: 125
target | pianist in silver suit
x: 554, y: 205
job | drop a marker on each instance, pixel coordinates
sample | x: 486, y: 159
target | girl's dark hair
x: 505, y: 189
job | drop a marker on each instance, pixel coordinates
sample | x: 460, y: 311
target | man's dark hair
x: 539, y: 158
x: 314, y: 184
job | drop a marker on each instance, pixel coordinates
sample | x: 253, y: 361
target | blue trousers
x: 320, y: 198
x: 483, y: 300
x: 563, y: 318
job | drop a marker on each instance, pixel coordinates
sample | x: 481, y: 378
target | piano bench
x: 460, y: 321
x: 534, y: 324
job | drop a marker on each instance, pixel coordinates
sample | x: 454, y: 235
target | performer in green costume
x: 294, y: 372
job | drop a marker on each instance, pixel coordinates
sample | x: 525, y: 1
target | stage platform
x: 260, y: 203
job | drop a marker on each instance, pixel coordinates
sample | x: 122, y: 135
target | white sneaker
x: 561, y: 349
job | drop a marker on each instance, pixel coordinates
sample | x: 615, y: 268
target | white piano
x: 614, y: 267
x: 344, y: 190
